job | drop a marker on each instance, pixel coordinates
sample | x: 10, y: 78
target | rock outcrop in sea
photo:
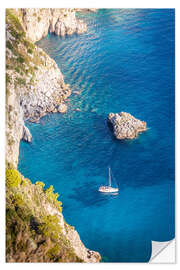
x: 126, y: 126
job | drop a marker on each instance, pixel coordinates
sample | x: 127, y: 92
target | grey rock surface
x: 38, y: 22
x: 126, y: 126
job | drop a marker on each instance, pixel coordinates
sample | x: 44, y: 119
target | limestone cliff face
x: 14, y: 126
x: 37, y: 22
x: 34, y: 87
x: 47, y: 91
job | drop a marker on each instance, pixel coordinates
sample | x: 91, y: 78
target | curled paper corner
x: 163, y: 252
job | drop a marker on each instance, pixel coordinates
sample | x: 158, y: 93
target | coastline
x: 34, y: 87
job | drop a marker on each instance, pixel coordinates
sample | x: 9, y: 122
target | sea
x: 124, y: 62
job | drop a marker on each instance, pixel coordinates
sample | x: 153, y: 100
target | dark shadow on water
x: 88, y: 195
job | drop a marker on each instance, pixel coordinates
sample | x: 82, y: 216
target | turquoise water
x: 125, y: 62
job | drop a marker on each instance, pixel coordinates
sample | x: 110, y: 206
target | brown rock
x: 126, y: 126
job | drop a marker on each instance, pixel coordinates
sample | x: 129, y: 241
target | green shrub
x: 53, y: 197
x: 15, y: 25
x: 50, y: 226
x: 8, y: 80
x: 26, y: 71
x: 16, y: 35
x: 20, y: 81
x: 10, y: 213
x: 28, y: 44
x: 14, y: 20
x: 53, y: 252
x: 13, y: 178
x: 9, y: 45
x: 17, y: 69
x: 41, y: 184
x: 30, y: 51
x: 17, y: 200
x: 31, y: 45
x: 50, y: 194
x: 20, y: 59
x: 31, y: 81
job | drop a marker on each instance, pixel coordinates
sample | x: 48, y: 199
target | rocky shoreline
x: 34, y: 87
x: 126, y: 126
x: 49, y: 92
x: 37, y: 22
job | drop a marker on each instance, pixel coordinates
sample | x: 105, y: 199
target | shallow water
x: 125, y: 62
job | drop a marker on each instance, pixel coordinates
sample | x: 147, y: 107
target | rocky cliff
x: 34, y: 87
x: 35, y: 227
x: 34, y: 84
x: 37, y: 22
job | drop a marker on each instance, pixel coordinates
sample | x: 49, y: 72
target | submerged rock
x: 77, y: 92
x: 126, y: 126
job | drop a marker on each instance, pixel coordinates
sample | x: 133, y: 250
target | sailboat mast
x: 109, y: 176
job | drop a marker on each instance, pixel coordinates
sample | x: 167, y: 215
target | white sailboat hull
x: 107, y: 189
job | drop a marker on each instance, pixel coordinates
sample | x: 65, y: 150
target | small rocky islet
x: 125, y: 126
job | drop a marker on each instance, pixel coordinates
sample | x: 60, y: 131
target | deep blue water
x: 125, y: 62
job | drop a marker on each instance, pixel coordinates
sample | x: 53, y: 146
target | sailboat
x: 108, y: 188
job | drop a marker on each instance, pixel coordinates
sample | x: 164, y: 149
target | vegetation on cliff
x: 32, y: 233
x: 22, y: 57
x: 22, y: 62
x: 35, y: 227
x: 34, y: 83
